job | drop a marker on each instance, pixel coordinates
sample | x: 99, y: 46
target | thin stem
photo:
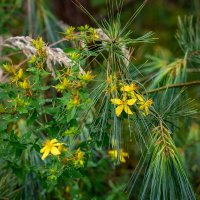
x: 173, y: 86
x: 30, y: 18
x: 9, y: 55
x: 192, y: 70
x: 21, y: 63
x: 57, y: 42
x: 189, y: 70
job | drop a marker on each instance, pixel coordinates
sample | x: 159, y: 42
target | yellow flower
x: 74, y: 56
x: 113, y: 88
x: 67, y: 189
x: 111, y: 84
x: 70, y: 33
x: 61, y: 148
x: 17, y: 75
x: 63, y: 85
x: 87, y: 76
x: 144, y: 105
x: 76, y: 100
x: 140, y: 97
x: 68, y: 72
x: 73, y: 102
x: 123, y: 105
x: 70, y: 30
x: 51, y: 146
x: 129, y: 88
x: 83, y: 28
x: 77, y: 84
x: 20, y: 74
x: 25, y: 84
x: 38, y: 43
x: 8, y: 68
x: 110, y: 79
x: 122, y: 154
x: 79, y: 158
x: 33, y: 59
x: 93, y: 34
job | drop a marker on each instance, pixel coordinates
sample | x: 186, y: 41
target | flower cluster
x: 40, y: 57
x: 19, y: 102
x: 18, y: 77
x: 122, y: 155
x: 86, y: 33
x: 72, y: 81
x: 78, y: 158
x: 130, y: 97
x: 55, y: 148
x: 51, y: 147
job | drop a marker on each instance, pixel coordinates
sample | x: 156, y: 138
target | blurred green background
x: 36, y: 17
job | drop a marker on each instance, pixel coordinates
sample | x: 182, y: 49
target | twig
x: 195, y: 52
x: 173, y: 86
x: 57, y: 42
x: 21, y: 63
x: 11, y: 54
x: 192, y: 70
x: 189, y: 70
x: 29, y: 8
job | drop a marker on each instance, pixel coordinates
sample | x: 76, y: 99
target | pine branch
x: 126, y: 5
x: 173, y: 86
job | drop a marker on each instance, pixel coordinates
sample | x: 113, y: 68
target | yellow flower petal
x: 144, y: 114
x: 119, y: 110
x: 54, y: 141
x: 140, y: 98
x: 126, y: 88
x: 129, y: 88
x: 128, y: 110
x: 20, y: 73
x: 141, y: 107
x: 122, y: 159
x: 132, y: 94
x: 113, y: 153
x: 146, y: 110
x: 133, y: 86
x: 116, y: 101
x: 43, y: 150
x: 67, y: 189
x: 124, y: 154
x: 60, y: 147
x: 130, y: 102
x: 81, y: 162
x: 149, y: 102
x: 57, y: 144
x: 55, y: 151
x: 46, y: 153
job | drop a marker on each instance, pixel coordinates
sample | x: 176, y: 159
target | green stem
x: 173, y: 86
